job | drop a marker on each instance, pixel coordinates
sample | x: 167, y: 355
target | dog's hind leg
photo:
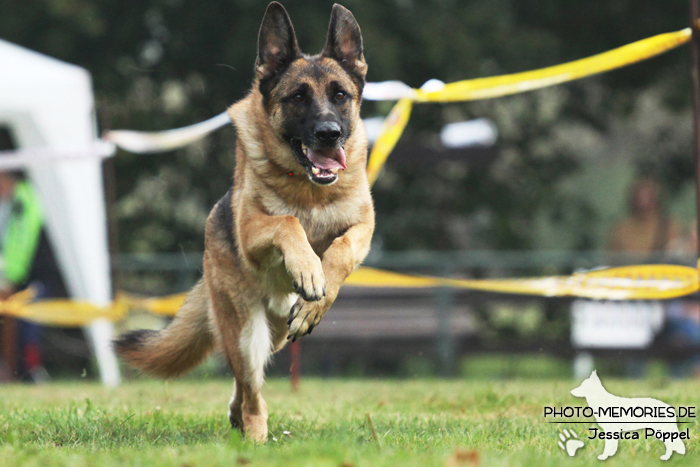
x: 609, y: 450
x: 278, y: 331
x: 247, y: 351
x: 277, y: 316
x: 235, y: 410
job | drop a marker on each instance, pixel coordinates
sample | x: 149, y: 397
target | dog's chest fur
x: 322, y: 223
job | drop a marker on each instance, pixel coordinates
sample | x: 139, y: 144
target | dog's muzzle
x: 322, y: 163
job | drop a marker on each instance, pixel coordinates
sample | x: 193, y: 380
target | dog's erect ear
x: 277, y: 43
x: 344, y: 42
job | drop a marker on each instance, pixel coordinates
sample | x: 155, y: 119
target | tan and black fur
x: 281, y: 242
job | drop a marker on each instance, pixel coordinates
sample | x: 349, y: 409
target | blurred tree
x: 159, y: 64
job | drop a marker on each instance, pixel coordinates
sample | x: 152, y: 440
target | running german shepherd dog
x: 297, y: 221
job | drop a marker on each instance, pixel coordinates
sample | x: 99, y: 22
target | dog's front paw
x: 306, y: 273
x: 303, y: 317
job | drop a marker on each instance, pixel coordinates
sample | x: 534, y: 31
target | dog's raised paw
x: 303, y: 318
x: 306, y: 274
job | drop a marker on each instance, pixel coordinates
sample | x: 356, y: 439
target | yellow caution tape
x: 69, y: 313
x: 624, y: 283
x: 391, y: 132
x: 646, y: 282
x: 59, y: 312
x: 497, y: 86
x: 16, y: 302
x: 164, y: 306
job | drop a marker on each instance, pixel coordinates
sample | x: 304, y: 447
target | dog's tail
x: 183, y: 344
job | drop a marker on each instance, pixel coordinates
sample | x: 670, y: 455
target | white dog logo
x: 664, y: 428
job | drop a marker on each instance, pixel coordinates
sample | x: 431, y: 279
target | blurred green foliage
x: 159, y: 64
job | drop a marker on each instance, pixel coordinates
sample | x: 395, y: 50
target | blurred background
x: 586, y: 174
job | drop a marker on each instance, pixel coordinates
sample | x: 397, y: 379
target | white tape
x: 387, y: 91
x: 432, y: 85
x: 142, y: 142
x: 21, y: 158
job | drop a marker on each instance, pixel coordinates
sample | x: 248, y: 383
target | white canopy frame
x: 49, y: 104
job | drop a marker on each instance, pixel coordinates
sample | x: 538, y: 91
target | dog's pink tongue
x: 327, y: 158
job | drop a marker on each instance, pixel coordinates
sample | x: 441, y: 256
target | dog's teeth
x: 334, y: 170
x: 304, y: 149
x: 315, y: 170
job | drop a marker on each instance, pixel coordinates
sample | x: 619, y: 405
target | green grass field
x: 417, y: 423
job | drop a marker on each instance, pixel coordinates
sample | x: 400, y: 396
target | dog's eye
x: 298, y: 97
x: 340, y: 95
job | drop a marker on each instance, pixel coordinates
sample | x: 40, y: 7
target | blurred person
x: 648, y: 229
x: 25, y: 260
x: 20, y: 225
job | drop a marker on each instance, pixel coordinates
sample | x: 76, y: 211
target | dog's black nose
x: 327, y: 132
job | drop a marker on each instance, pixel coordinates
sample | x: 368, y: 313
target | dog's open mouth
x: 322, y: 165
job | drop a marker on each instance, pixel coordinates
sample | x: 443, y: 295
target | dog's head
x: 312, y: 102
x: 588, y: 387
